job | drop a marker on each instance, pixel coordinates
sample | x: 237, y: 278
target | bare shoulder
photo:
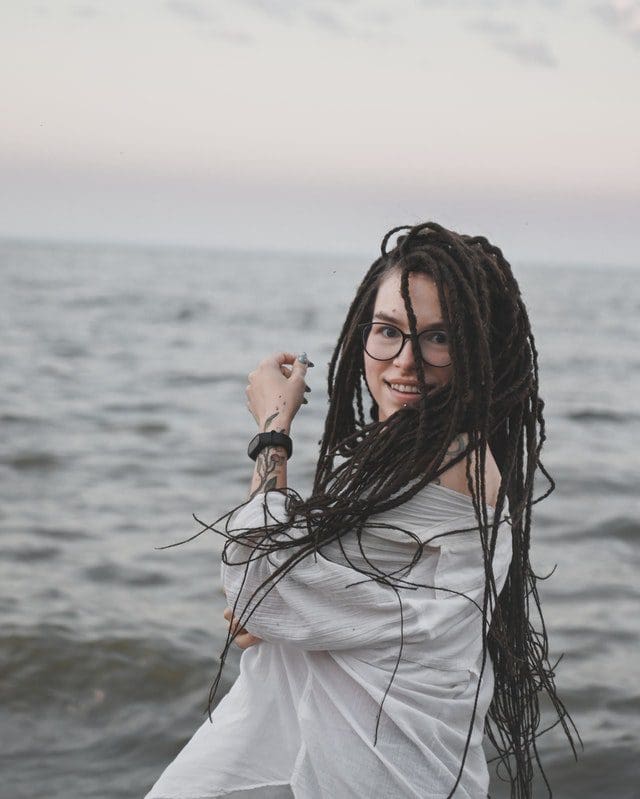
x: 456, y: 476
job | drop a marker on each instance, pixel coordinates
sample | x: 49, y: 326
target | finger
x: 245, y: 640
x: 286, y: 370
x: 299, y: 368
x: 241, y: 636
x: 233, y: 622
x: 281, y: 358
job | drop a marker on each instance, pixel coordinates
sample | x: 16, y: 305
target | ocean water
x: 122, y: 376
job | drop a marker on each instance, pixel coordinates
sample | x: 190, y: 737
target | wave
x: 118, y: 574
x: 622, y: 528
x: 151, y: 428
x: 32, y: 461
x: 603, y: 415
x: 22, y: 418
x: 132, y: 407
x: 29, y: 554
x: 625, y: 529
x: 58, y: 533
x: 50, y: 665
x: 184, y: 379
x: 96, y: 717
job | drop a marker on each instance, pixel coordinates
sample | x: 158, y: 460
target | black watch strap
x: 270, y: 439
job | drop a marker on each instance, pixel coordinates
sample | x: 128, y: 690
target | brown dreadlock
x: 493, y: 398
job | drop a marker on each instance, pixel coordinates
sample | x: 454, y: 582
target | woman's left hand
x: 276, y: 390
x: 243, y: 638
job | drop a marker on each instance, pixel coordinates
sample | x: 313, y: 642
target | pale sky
x: 319, y: 124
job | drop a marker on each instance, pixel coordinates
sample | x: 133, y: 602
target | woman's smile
x: 405, y: 388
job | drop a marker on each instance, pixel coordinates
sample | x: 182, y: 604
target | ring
x: 303, y: 357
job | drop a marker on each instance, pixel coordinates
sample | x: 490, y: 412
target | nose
x: 404, y: 359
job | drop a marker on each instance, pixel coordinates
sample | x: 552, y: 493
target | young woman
x: 388, y: 618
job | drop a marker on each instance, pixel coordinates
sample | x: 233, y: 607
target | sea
x: 122, y: 413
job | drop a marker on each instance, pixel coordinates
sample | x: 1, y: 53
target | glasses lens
x: 382, y: 341
x: 435, y: 347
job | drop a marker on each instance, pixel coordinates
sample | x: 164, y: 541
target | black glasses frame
x: 364, y: 330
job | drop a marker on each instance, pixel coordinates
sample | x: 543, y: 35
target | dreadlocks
x: 367, y: 466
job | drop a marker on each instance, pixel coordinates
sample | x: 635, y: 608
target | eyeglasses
x: 383, y: 342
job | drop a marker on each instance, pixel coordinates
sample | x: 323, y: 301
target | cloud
x: 508, y: 38
x: 282, y: 10
x: 364, y: 20
x: 623, y: 16
x: 231, y: 36
x: 488, y: 4
x: 536, y: 53
x: 209, y: 24
x: 370, y: 21
x: 189, y: 9
x: 493, y: 27
x: 84, y: 11
x: 326, y: 20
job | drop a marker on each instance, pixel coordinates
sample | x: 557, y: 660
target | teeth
x: 405, y: 389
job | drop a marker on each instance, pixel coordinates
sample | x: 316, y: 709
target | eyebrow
x: 439, y: 325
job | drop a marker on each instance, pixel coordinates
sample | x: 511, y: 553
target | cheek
x: 372, y: 373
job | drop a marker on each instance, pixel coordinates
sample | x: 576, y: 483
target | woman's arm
x: 320, y: 604
x: 271, y: 464
x: 274, y: 398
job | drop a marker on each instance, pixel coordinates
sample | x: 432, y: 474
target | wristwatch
x: 270, y: 439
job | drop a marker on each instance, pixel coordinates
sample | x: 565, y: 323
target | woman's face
x: 394, y: 383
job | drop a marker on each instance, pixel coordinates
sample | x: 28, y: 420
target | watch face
x: 254, y: 447
x: 270, y: 439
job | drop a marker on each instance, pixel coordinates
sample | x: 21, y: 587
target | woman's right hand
x: 243, y: 638
x: 276, y: 391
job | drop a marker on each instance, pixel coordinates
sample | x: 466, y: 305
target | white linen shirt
x: 300, y: 719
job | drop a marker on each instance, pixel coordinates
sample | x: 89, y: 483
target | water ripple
x: 32, y: 461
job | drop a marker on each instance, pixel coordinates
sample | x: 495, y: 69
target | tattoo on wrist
x: 268, y: 464
x: 269, y: 420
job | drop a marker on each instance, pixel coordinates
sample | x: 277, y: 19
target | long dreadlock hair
x: 493, y: 398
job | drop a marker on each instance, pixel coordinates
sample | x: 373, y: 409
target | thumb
x: 300, y: 365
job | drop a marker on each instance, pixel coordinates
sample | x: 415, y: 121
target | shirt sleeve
x: 320, y: 604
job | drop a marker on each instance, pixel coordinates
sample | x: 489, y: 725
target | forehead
x: 424, y: 298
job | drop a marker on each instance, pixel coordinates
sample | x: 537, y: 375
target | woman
x: 386, y: 619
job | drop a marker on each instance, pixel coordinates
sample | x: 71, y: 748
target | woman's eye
x: 438, y: 337
x: 386, y: 331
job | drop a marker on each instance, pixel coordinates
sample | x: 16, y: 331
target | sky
x: 317, y: 125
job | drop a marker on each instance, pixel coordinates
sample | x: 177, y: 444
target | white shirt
x: 301, y: 717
